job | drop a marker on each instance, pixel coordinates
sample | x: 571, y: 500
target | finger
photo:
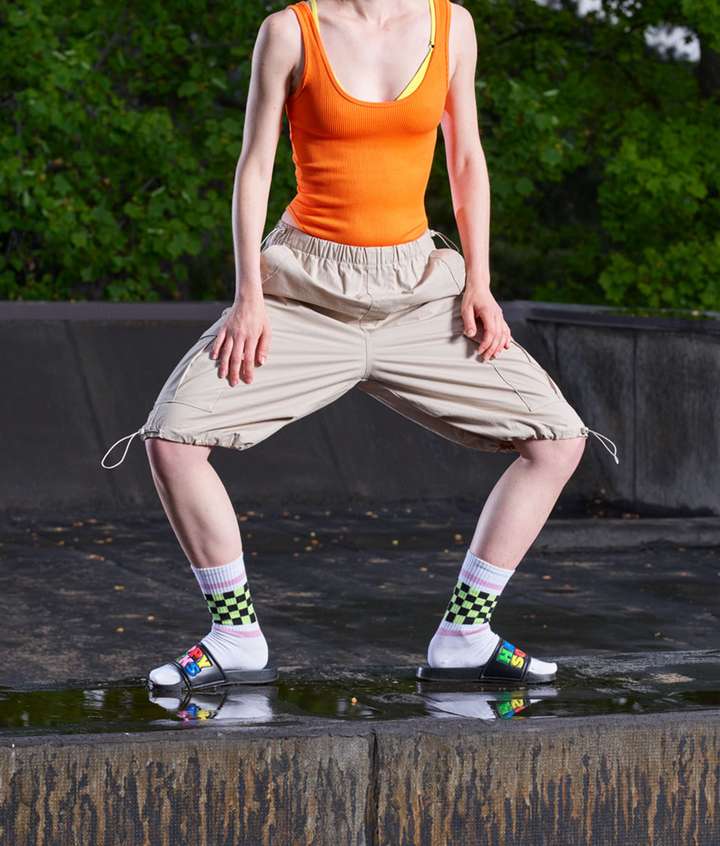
x: 469, y: 324
x: 248, y: 365
x: 500, y: 345
x: 236, y: 360
x: 263, y: 348
x: 495, y: 348
x: 219, y: 338
x: 225, y: 353
x: 486, y: 355
x: 489, y: 336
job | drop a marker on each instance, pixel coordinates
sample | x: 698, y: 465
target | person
x: 349, y: 289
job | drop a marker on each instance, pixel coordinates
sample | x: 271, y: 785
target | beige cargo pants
x: 383, y: 319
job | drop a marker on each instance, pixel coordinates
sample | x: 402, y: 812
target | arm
x: 470, y: 187
x: 244, y: 339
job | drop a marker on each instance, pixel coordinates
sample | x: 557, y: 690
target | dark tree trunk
x: 708, y: 70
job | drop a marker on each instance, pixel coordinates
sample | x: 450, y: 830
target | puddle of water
x: 133, y: 708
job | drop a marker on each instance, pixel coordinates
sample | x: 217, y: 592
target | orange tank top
x: 362, y: 167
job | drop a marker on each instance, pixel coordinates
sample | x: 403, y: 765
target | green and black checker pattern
x: 231, y: 607
x: 469, y: 605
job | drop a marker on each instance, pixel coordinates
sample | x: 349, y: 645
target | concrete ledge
x: 567, y: 782
x: 171, y: 788
x: 609, y: 533
x: 85, y: 374
x: 555, y: 782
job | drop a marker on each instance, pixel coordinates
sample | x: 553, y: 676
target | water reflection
x: 259, y: 705
x: 503, y: 705
x: 614, y: 687
x: 241, y: 704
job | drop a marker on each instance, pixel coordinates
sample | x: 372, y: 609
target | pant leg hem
x: 234, y: 441
x: 558, y: 435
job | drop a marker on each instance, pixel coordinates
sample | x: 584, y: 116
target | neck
x: 367, y: 10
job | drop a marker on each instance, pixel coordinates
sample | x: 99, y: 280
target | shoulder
x: 280, y: 30
x: 460, y: 17
x: 462, y: 30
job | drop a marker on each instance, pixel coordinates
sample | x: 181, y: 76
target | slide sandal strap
x: 198, y: 666
x: 506, y: 662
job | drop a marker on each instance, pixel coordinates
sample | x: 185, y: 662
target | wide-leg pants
x: 383, y: 319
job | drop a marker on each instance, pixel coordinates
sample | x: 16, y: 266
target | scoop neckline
x: 371, y: 103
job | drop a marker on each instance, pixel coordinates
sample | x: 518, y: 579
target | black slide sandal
x: 506, y: 664
x: 199, y: 670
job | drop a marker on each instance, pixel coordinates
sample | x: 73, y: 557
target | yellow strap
x: 420, y: 72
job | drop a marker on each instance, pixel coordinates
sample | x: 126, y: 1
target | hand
x: 243, y: 341
x: 480, y: 303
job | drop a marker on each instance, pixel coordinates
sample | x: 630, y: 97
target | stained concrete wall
x: 596, y: 781
x: 78, y: 376
x: 652, y: 385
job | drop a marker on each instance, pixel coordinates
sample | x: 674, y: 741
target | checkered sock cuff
x: 226, y: 591
x: 469, y: 606
x: 476, y: 593
x: 231, y: 607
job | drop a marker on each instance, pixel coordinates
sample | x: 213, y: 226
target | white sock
x: 464, y: 637
x: 235, y: 639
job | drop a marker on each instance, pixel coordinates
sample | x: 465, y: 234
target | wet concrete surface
x: 97, y: 599
x: 348, y: 747
x: 586, y: 687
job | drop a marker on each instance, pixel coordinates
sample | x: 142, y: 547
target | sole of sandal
x: 465, y: 674
x: 232, y: 678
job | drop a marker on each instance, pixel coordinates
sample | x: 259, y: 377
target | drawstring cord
x: 129, y: 438
x: 273, y: 230
x: 447, y: 240
x: 127, y: 446
x: 602, y: 439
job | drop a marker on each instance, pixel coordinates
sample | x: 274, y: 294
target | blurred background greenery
x: 122, y: 124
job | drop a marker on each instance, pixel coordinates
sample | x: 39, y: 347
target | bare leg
x: 523, y: 497
x: 514, y: 513
x: 195, y: 501
x: 204, y: 521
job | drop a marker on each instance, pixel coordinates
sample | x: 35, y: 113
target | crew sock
x: 235, y: 639
x: 464, y: 637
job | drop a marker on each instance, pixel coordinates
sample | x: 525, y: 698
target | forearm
x: 470, y: 187
x: 249, y: 211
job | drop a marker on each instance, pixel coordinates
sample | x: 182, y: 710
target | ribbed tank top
x: 362, y: 167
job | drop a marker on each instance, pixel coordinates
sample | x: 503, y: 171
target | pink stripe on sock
x: 237, y: 631
x: 474, y: 580
x: 464, y: 632
x: 216, y: 586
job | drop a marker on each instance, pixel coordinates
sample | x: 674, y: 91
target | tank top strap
x: 442, y: 37
x: 314, y: 51
x: 303, y: 12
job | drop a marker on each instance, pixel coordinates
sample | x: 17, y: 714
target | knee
x: 168, y: 458
x: 559, y: 457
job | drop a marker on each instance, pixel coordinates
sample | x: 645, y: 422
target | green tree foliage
x: 122, y: 124
x: 602, y: 154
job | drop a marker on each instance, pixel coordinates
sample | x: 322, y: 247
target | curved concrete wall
x: 78, y: 376
x: 598, y: 781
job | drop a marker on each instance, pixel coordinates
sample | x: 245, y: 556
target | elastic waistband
x: 285, y: 233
